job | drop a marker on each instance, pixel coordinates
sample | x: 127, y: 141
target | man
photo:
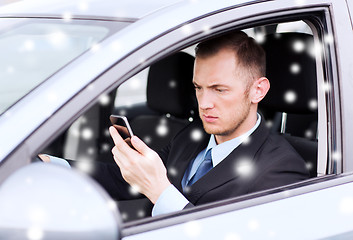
x: 234, y: 155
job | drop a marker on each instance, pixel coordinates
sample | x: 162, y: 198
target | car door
x: 318, y: 208
x: 269, y: 214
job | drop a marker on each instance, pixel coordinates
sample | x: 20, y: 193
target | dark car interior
x: 171, y: 105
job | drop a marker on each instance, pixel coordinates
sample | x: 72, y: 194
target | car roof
x: 88, y: 9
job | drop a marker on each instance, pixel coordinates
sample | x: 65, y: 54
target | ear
x: 259, y: 89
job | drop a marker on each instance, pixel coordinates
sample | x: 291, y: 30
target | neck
x: 244, y: 127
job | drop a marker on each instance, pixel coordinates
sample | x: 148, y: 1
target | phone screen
x: 122, y: 125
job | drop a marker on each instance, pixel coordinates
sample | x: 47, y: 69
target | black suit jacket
x: 264, y: 162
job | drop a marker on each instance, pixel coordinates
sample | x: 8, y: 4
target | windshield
x: 33, y: 49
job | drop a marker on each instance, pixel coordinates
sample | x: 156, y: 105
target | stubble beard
x: 242, y: 115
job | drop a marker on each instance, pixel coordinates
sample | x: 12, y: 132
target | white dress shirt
x: 171, y: 199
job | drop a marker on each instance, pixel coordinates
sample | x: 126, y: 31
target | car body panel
x: 308, y: 212
x: 88, y: 8
x: 293, y: 217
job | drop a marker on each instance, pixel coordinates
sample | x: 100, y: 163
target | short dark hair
x: 248, y: 52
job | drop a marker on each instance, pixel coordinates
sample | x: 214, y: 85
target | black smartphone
x: 122, y: 125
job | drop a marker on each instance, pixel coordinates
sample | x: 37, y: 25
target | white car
x: 65, y: 66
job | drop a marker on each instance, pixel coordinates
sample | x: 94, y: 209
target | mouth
x: 209, y: 118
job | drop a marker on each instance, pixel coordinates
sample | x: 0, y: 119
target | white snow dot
x: 162, y: 130
x: 84, y: 165
x: 134, y: 190
x: 346, y: 206
x: 186, y: 29
x: 105, y: 147
x: 206, y: 29
x: 106, y: 132
x: 29, y: 45
x: 29, y: 181
x: 95, y: 47
x: 309, y: 165
x: 116, y: 46
x: 336, y: 156
x: 83, y: 6
x: 147, y: 139
x: 87, y: 133
x: 172, y: 84
x: 140, y: 213
x: 90, y: 150
x: 142, y: 60
x: 300, y: 2
x: 104, y: 100
x: 172, y: 171
x: 309, y: 134
x: 232, y: 236
x: 124, y: 216
x: 58, y: 38
x: 52, y: 97
x: 67, y: 16
x: 122, y: 112
x: 91, y: 87
x: 244, y: 167
x: 260, y: 38
x: 328, y: 38
x: 193, y: 229
x: 326, y: 87
x: 290, y: 96
x: 313, y: 104
x: 196, y: 135
x: 37, y: 215
x: 298, y: 46
x: 135, y: 83
x: 295, y: 68
x: 35, y: 233
x: 247, y: 140
x: 253, y: 225
x: 112, y: 205
x: 286, y: 193
x: 269, y: 123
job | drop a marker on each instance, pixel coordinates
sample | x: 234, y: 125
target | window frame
x: 328, y: 106
x: 119, y: 72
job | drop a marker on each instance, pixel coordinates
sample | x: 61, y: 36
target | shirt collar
x: 221, y: 151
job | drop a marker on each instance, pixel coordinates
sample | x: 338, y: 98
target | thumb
x: 140, y: 146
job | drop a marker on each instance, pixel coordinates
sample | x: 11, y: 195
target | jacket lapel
x: 183, y: 156
x: 233, y: 166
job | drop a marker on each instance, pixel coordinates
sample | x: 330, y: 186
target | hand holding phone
x: 122, y: 125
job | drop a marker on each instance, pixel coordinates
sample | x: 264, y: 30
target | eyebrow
x: 216, y: 85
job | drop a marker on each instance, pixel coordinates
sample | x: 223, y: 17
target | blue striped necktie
x: 205, y: 166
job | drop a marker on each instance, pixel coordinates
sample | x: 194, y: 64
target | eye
x: 197, y: 87
x: 220, y: 90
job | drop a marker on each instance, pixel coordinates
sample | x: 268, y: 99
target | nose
x: 205, y: 100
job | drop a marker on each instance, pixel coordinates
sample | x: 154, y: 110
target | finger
x: 123, y: 161
x: 115, y: 135
x: 118, y: 140
x: 140, y: 146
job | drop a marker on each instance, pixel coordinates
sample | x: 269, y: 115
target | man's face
x: 223, y: 98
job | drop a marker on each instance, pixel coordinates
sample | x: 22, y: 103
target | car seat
x: 171, y: 105
x: 291, y: 102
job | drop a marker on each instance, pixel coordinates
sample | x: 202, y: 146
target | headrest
x: 291, y: 70
x: 169, y: 88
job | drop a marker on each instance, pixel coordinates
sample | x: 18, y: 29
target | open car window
x: 158, y: 107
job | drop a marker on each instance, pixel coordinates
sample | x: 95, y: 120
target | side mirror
x: 44, y: 201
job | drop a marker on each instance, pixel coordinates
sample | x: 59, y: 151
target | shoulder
x: 278, y: 164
